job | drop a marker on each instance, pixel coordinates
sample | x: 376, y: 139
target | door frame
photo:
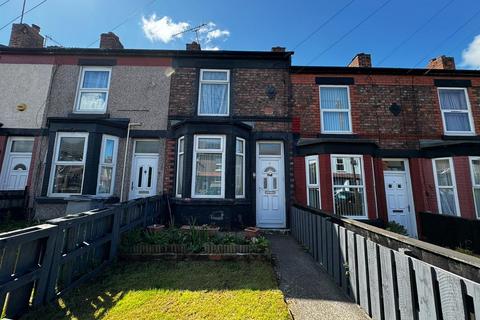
x: 6, y: 157
x: 146, y: 155
x: 282, y: 164
x: 413, y: 212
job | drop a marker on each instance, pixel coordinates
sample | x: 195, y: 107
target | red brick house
x: 387, y: 143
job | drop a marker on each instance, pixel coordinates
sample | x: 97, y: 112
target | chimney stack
x: 278, y: 49
x: 25, y: 36
x: 361, y: 60
x: 110, y: 41
x: 442, y: 62
x: 194, y: 46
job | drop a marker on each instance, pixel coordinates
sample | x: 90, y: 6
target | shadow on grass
x: 148, y: 280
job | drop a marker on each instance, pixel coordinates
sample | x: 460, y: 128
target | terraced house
x: 387, y: 143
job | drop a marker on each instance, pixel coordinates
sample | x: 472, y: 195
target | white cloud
x: 217, y: 33
x: 215, y: 48
x: 471, y: 55
x: 163, y: 29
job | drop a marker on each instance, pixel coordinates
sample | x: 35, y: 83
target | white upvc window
x: 240, y: 168
x: 456, y: 111
x: 92, y: 92
x: 68, y: 164
x: 349, y: 198
x: 107, y: 165
x: 446, y: 186
x: 208, y: 179
x: 214, y: 93
x: 180, y: 160
x: 475, y: 172
x: 335, y: 110
x: 313, y: 181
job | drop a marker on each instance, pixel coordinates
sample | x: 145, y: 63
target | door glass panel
x: 22, y: 146
x: 71, y: 149
x: 270, y: 149
x: 393, y: 165
x: 265, y: 183
x: 20, y: 167
x: 274, y: 183
x: 140, y: 176
x: 147, y: 146
x: 149, y: 177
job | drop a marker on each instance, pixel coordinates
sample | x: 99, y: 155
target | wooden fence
x: 43, y: 262
x: 386, y: 283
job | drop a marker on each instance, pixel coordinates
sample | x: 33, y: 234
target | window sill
x: 210, y: 201
x: 89, y: 115
x: 465, y: 136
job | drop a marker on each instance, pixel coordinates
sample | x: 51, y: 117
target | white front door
x: 270, y: 184
x: 398, y: 196
x: 143, y: 182
x: 16, y: 165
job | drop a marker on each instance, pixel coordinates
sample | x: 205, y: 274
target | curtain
x: 215, y: 75
x: 208, y: 174
x: 447, y: 201
x: 312, y: 173
x: 92, y: 100
x: 334, y: 98
x: 239, y: 175
x: 336, y: 121
x: 457, y: 121
x: 444, y: 173
x: 214, y: 99
x: 476, y: 196
x: 453, y: 99
x: 105, y: 181
x: 95, y: 79
x: 313, y: 197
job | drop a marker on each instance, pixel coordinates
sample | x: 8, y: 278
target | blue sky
x: 259, y: 25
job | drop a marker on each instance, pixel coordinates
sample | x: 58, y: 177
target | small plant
x: 260, y: 243
x: 396, y: 227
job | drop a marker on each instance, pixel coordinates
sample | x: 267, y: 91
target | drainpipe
x: 131, y: 124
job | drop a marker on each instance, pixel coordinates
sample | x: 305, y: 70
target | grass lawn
x: 169, y: 290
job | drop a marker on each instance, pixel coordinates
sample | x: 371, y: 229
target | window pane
x: 313, y: 198
x: 147, y: 146
x: 447, y: 201
x: 208, y: 179
x: 334, y: 98
x: 457, y: 121
x: 348, y: 201
x: 71, y: 149
x: 476, y: 171
x: 105, y: 181
x: 451, y: 99
x: 108, y: 152
x: 351, y: 175
x: 393, y: 165
x: 214, y: 99
x: 68, y: 179
x: 181, y: 145
x: 209, y: 143
x: 95, y: 79
x: 444, y: 172
x: 239, y: 175
x: 180, y: 174
x: 239, y: 147
x: 92, y: 101
x: 22, y: 146
x: 476, y: 195
x: 336, y: 121
x: 270, y: 149
x: 312, y: 172
x: 215, y: 75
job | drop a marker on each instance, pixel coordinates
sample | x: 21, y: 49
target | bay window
x: 445, y: 185
x: 180, y: 158
x: 92, y: 93
x: 475, y: 172
x: 107, y: 165
x: 313, y: 181
x: 456, y: 111
x: 348, y: 186
x: 214, y: 95
x: 208, y: 166
x: 68, y: 164
x: 335, y: 109
x: 240, y: 168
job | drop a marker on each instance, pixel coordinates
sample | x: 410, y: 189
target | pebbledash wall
x: 258, y: 110
x: 395, y: 113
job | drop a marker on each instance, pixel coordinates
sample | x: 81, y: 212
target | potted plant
x: 252, y: 232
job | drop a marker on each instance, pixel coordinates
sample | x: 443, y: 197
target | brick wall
x: 170, y: 159
x: 183, y: 92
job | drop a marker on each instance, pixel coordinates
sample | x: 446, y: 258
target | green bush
x: 396, y: 227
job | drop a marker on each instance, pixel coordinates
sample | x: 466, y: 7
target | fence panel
x: 387, y: 283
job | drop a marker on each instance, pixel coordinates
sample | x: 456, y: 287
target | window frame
x: 364, y: 185
x: 309, y: 185
x: 113, y: 165
x: 196, y: 150
x: 322, y: 111
x: 76, y: 108
x: 474, y: 186
x: 55, y: 162
x: 468, y: 111
x: 454, y: 185
x: 240, y: 196
x: 178, y: 193
x: 201, y: 81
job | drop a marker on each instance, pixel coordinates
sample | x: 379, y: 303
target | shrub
x: 396, y: 227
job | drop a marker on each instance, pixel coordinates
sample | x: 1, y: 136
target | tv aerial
x: 193, y: 29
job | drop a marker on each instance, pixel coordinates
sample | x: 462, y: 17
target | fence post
x: 117, y: 217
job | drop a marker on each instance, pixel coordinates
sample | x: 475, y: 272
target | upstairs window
x: 209, y: 167
x: 107, y: 165
x: 313, y: 181
x: 93, y: 88
x: 445, y: 184
x: 335, y: 109
x: 455, y: 108
x: 214, y: 93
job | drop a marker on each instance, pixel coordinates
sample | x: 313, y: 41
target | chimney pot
x: 278, y: 49
x: 25, y: 36
x: 361, y: 60
x: 110, y: 41
x: 194, y: 46
x: 442, y: 62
